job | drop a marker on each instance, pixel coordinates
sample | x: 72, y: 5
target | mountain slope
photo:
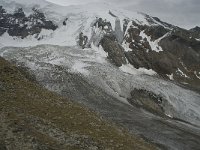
x: 144, y: 40
x: 79, y: 19
x: 87, y: 77
x: 35, y: 118
x: 134, y: 69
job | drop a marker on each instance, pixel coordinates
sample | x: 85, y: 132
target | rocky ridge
x: 170, y: 51
x: 18, y: 24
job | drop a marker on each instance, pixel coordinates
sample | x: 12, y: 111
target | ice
x: 1, y: 45
x: 131, y: 70
x: 182, y: 74
x: 125, y: 45
x: 117, y: 82
x: 80, y: 18
x: 154, y: 44
x: 198, y: 76
x: 79, y: 67
x: 171, y: 76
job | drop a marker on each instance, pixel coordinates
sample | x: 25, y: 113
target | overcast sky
x: 184, y: 13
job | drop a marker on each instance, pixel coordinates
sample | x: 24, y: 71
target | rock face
x: 172, y: 52
x: 166, y: 49
x: 147, y: 100
x: 110, y: 40
x: 114, y: 49
x: 155, y: 32
x: 20, y: 25
x: 83, y: 40
x: 196, y: 31
x: 185, y: 49
x: 142, y: 54
x: 103, y: 24
x: 160, y: 62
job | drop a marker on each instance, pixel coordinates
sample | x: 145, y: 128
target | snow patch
x: 4, y: 52
x: 171, y: 77
x: 154, y: 44
x: 79, y: 67
x: 182, y: 74
x: 128, y: 68
x: 168, y: 115
x: 128, y: 27
x: 198, y: 39
x: 99, y: 50
x: 198, y: 76
x: 125, y: 45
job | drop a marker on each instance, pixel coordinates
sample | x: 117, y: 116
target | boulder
x: 147, y: 100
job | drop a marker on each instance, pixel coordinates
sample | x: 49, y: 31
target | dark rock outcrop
x: 104, y: 24
x: 114, y: 49
x: 155, y: 32
x: 147, y: 100
x: 162, y: 63
x: 125, y: 24
x: 113, y: 15
x: 20, y: 25
x: 111, y: 40
x: 186, y: 53
x: 83, y: 40
x: 187, y: 50
x: 65, y: 22
x: 172, y: 52
x: 196, y: 31
x: 179, y: 53
x: 167, y: 25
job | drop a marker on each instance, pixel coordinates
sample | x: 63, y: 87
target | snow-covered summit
x: 50, y: 9
x: 79, y: 19
x: 9, y: 4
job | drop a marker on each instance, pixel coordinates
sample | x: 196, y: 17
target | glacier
x: 86, y: 75
x: 72, y: 72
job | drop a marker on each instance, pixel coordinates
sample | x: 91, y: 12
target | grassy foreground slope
x: 32, y: 117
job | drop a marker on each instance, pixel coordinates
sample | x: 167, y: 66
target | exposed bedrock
x: 114, y: 49
x: 178, y: 55
x: 20, y: 25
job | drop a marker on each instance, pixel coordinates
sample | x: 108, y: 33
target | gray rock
x: 147, y: 100
x: 180, y: 55
x: 115, y: 51
x: 21, y: 25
